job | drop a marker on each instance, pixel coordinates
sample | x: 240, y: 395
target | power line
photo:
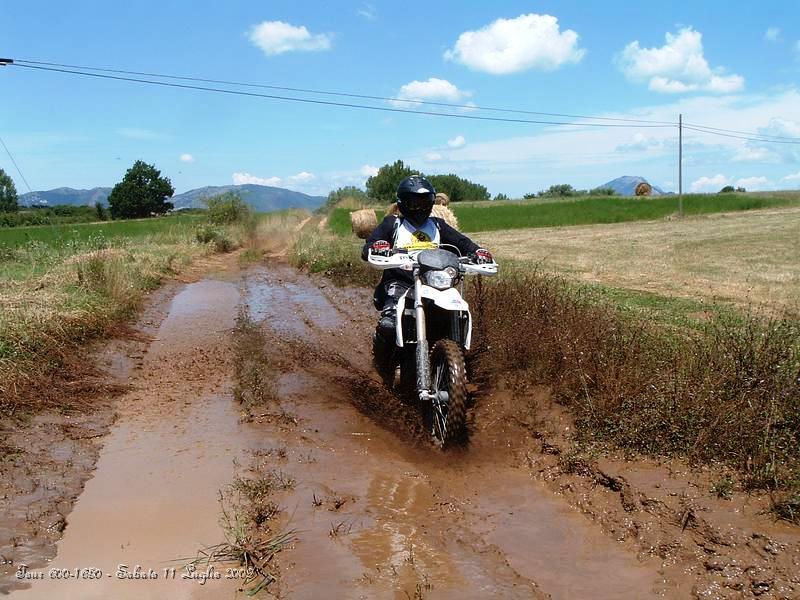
x: 21, y: 62
x: 330, y: 103
x: 747, y: 133
x: 740, y: 137
x: 15, y: 164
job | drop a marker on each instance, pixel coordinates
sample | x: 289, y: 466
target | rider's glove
x: 481, y: 256
x: 381, y: 248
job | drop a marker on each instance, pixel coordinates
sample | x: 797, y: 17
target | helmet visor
x: 416, y: 202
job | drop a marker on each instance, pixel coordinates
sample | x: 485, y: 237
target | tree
x: 740, y: 189
x: 8, y: 194
x: 383, y: 186
x: 143, y: 192
x: 501, y: 198
x: 727, y: 189
x: 560, y: 190
x: 602, y: 192
x: 100, y: 211
x: 459, y: 189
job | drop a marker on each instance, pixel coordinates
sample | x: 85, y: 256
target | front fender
x: 448, y: 299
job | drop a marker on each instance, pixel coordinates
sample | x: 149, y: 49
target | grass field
x: 490, y: 216
x: 743, y: 258
x: 81, y: 232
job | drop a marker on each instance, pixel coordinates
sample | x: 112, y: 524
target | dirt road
x: 377, y: 511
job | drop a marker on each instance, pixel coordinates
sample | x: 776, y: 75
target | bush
x: 227, y: 208
x: 206, y: 234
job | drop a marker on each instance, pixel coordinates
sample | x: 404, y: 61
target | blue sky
x: 722, y: 64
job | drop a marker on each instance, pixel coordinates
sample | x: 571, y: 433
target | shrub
x: 207, y: 234
x: 227, y: 208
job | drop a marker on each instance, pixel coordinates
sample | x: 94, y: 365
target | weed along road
x: 253, y: 423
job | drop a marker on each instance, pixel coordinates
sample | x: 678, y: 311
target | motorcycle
x: 431, y: 337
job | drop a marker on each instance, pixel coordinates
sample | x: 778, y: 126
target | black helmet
x: 415, y: 197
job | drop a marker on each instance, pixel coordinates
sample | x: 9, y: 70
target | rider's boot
x: 383, y: 344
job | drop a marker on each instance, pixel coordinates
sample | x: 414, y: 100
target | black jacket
x: 447, y: 234
x: 386, y: 230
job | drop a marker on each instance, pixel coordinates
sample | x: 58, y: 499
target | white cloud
x: 457, y: 142
x: 368, y: 11
x: 642, y: 143
x: 678, y: 66
x: 243, y: 178
x: 793, y: 178
x: 187, y: 158
x: 368, y: 171
x: 302, y: 177
x: 710, y: 184
x: 507, y: 46
x: 277, y: 37
x: 754, y: 183
x: 432, y: 89
x: 772, y: 34
x: 433, y: 156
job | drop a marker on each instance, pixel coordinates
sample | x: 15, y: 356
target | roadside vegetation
x: 711, y: 382
x: 72, y: 284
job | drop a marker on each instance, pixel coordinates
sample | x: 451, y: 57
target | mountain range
x: 626, y: 186
x: 261, y: 198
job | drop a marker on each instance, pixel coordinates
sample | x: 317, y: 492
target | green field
x: 81, y: 232
x: 488, y: 216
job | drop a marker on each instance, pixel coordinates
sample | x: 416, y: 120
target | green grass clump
x: 335, y: 257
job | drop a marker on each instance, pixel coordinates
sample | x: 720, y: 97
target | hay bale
x: 446, y: 214
x: 643, y: 189
x: 363, y: 222
x: 439, y: 210
x: 442, y: 199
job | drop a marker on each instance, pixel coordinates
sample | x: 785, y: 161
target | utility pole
x: 680, y: 165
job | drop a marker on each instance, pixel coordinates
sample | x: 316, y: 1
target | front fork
x: 423, y: 356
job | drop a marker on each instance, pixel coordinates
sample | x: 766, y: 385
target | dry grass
x: 728, y: 392
x: 745, y: 258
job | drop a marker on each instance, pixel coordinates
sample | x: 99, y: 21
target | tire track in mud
x: 379, y: 511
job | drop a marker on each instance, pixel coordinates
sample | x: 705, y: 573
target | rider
x: 415, y: 226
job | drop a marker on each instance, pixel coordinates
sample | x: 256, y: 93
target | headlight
x: 441, y: 280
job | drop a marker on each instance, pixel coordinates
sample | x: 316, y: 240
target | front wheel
x: 449, y: 387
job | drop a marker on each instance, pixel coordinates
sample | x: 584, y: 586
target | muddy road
x: 375, y: 510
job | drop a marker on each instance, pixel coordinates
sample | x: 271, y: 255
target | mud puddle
x: 154, y: 495
x: 379, y: 512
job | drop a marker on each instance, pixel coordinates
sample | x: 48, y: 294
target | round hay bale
x: 363, y: 222
x: 442, y: 199
x: 445, y: 214
x: 643, y: 189
x: 393, y: 210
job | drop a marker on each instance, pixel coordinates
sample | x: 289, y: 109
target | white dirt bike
x: 431, y: 337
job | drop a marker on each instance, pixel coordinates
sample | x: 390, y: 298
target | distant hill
x: 65, y: 195
x: 261, y: 197
x: 626, y: 185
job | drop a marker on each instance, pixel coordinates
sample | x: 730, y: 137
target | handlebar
x: 405, y: 260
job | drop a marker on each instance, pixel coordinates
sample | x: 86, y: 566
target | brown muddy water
x: 378, y: 512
